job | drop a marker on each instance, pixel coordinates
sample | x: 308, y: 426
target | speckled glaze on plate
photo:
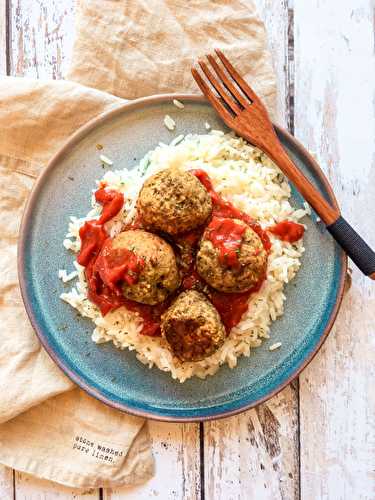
x: 114, y: 376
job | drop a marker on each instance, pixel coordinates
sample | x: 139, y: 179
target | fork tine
x: 229, y: 85
x: 245, y: 87
x: 219, y: 88
x: 223, y: 112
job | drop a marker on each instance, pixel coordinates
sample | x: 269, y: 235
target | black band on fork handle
x: 357, y: 249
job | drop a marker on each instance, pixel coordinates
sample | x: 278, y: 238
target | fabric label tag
x: 97, y: 450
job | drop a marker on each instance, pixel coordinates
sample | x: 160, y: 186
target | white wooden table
x: 316, y: 439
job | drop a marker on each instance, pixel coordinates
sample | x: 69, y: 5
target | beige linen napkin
x: 128, y: 48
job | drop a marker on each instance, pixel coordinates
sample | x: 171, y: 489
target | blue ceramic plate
x: 114, y: 376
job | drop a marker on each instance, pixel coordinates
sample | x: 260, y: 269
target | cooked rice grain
x: 245, y: 176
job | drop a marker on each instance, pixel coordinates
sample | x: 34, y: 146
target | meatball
x: 192, y: 327
x: 151, y: 270
x: 251, y: 260
x: 174, y: 201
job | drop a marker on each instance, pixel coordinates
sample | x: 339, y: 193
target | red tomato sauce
x: 288, y: 231
x: 226, y: 235
x: 230, y: 306
x: 107, y: 270
x: 112, y: 202
x: 108, y: 299
x: 93, y: 236
x: 118, y: 264
x: 223, y: 208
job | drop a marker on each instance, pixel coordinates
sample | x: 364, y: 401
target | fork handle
x: 357, y: 249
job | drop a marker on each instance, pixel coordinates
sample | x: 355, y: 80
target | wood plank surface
x: 275, y: 15
x: 42, y: 33
x: 31, y: 488
x: 177, y: 477
x: 255, y: 455
x: 6, y: 483
x: 334, y: 117
x: 3, y: 37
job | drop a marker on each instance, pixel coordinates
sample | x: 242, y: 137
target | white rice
x: 104, y: 159
x: 246, y: 177
x: 178, y: 104
x: 169, y: 122
x: 275, y: 346
x: 65, y: 277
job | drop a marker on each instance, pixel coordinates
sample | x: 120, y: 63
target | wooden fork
x: 242, y: 110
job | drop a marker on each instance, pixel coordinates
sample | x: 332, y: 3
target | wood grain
x: 254, y: 124
x: 3, y: 37
x: 334, y: 117
x: 255, y: 455
x: 41, y: 37
x: 275, y: 15
x: 176, y: 451
x: 31, y: 488
x: 6, y: 483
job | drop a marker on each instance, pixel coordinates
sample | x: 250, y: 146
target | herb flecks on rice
x: 246, y: 177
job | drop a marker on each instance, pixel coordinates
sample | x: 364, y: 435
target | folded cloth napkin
x: 126, y: 49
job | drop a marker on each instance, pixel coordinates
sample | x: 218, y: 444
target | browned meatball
x: 173, y: 201
x: 152, y: 273
x: 252, y: 263
x: 192, y: 327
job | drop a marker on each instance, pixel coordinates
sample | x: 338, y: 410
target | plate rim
x: 72, y: 141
